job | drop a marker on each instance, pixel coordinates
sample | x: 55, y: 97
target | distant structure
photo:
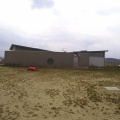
x: 26, y: 56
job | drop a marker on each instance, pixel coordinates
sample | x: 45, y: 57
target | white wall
x: 96, y: 61
x: 75, y: 61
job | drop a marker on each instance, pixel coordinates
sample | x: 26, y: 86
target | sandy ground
x: 58, y: 95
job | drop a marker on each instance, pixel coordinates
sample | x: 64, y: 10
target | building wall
x: 38, y: 58
x: 97, y: 54
x: 96, y: 61
x: 54, y: 59
x: 83, y: 60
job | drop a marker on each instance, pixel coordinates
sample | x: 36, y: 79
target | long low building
x: 26, y: 56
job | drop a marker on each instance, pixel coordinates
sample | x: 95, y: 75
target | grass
x: 74, y: 94
x: 112, y: 64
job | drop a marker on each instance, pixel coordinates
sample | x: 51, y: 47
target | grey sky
x: 42, y: 4
x: 61, y: 24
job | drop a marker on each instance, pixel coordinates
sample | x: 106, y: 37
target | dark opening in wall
x: 50, y: 61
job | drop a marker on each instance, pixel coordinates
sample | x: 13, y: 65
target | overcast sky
x: 57, y: 25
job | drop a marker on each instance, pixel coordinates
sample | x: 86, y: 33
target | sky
x: 61, y: 25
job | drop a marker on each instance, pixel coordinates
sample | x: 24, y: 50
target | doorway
x: 75, y: 61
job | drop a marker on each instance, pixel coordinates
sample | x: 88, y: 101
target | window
x: 50, y: 61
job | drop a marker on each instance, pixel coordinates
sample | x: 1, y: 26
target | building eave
x: 25, y: 47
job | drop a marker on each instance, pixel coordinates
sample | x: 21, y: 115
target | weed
x: 52, y: 92
x: 93, y: 95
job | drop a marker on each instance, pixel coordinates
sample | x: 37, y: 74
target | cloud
x: 58, y: 42
x: 109, y: 11
x: 69, y: 24
x: 42, y: 4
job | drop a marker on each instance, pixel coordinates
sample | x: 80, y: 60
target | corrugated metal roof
x: 85, y: 51
x: 26, y: 48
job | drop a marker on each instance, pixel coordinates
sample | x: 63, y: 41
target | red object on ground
x: 32, y: 68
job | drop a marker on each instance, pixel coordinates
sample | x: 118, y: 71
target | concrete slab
x: 112, y: 88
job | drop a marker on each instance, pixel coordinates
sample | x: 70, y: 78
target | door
x: 83, y: 60
x: 75, y: 61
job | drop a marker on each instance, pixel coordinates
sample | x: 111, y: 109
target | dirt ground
x: 59, y: 94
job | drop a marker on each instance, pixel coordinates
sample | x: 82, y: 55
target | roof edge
x: 14, y: 45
